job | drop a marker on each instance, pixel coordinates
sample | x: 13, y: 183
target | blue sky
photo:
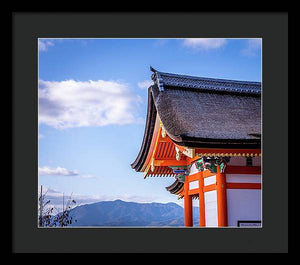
x: 93, y: 103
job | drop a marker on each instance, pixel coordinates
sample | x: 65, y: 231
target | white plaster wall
x: 211, y: 211
x: 243, y: 204
x: 210, y: 180
x: 194, y: 184
x: 243, y: 178
x: 193, y: 170
x: 196, y: 214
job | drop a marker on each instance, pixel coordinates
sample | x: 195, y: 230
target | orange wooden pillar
x: 201, y: 199
x: 221, y: 197
x: 188, y: 205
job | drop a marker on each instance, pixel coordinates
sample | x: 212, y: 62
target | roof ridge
x: 217, y: 84
x: 210, y: 78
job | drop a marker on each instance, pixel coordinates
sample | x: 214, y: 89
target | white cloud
x: 145, y: 84
x: 59, y: 171
x: 40, y: 136
x: 71, y: 103
x: 87, y: 176
x: 204, y: 43
x: 43, y: 44
x: 253, y: 47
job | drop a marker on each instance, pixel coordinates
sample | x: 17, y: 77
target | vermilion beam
x: 169, y: 162
x: 247, y: 186
x: 222, y: 151
x: 201, y: 199
x: 243, y: 170
x: 221, y: 197
x: 188, y: 205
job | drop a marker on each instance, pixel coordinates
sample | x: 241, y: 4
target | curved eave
x: 161, y: 171
x: 149, y: 128
x: 215, y: 143
x: 175, y: 187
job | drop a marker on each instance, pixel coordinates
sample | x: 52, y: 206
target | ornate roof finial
x: 152, y: 69
x: 157, y: 78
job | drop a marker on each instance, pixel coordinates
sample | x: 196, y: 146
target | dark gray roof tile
x: 203, y: 83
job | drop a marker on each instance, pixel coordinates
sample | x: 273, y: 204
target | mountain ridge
x: 122, y: 213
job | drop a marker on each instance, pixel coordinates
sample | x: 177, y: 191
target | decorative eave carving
x: 181, y: 172
x: 152, y: 165
x: 190, y: 152
x: 178, y: 155
x: 211, y: 163
x: 227, y: 154
x: 163, y: 132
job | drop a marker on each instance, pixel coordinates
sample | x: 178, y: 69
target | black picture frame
x: 28, y: 26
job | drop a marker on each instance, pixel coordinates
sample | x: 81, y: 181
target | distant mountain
x: 121, y: 213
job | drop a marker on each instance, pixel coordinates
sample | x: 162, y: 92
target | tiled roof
x: 208, y: 116
x: 175, y: 187
x: 230, y: 112
x: 203, y: 83
x: 203, y: 112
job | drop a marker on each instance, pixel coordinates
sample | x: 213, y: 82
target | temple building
x: 206, y: 133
